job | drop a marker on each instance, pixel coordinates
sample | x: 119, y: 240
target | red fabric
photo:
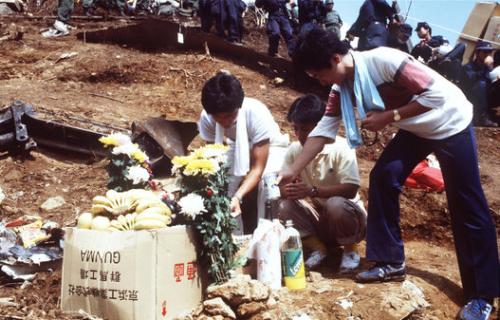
x: 425, y: 177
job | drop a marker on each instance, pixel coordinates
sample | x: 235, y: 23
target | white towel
x: 241, y: 164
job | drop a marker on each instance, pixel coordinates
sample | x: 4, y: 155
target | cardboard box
x: 131, y: 274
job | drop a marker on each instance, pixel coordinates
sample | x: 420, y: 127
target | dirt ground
x: 115, y: 85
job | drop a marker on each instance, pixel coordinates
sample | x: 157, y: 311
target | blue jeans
x: 279, y: 25
x: 472, y: 225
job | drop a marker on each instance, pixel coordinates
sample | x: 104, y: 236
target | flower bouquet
x: 206, y: 206
x: 128, y: 167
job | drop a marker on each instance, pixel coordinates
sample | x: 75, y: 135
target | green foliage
x: 215, y: 226
x: 117, y: 169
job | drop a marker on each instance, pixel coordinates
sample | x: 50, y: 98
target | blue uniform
x: 226, y: 14
x: 278, y: 24
x: 476, y: 83
x: 310, y: 13
x: 371, y: 25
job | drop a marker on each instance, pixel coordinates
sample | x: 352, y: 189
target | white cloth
x: 494, y: 74
x: 241, y: 163
x: 399, y: 80
x: 260, y: 125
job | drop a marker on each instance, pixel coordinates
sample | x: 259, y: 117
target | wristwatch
x: 240, y: 200
x: 395, y: 115
x: 314, y: 192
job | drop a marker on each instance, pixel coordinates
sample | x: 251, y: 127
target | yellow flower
x: 198, y: 153
x: 181, y: 161
x: 203, y: 166
x: 140, y: 156
x: 217, y: 146
x: 115, y: 139
x: 108, y: 141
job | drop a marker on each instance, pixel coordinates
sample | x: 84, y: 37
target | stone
x: 315, y: 276
x: 262, y: 316
x: 245, y: 310
x: 403, y: 302
x: 52, y: 203
x: 240, y: 289
x: 12, y: 175
x: 271, y: 303
x: 217, y: 306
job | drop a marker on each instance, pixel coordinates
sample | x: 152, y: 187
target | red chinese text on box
x: 178, y: 271
x: 191, y: 270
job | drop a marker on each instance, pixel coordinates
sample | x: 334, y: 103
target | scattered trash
x: 345, y: 304
x: 8, y: 302
x: 28, y: 245
x: 52, y: 203
x: 278, y: 80
x: 66, y: 55
x: 2, y: 195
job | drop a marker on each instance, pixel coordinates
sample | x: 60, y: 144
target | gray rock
x: 52, y: 203
x: 216, y: 307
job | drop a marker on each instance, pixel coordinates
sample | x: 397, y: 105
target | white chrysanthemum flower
x: 127, y: 149
x: 137, y: 174
x: 121, y: 139
x: 192, y: 205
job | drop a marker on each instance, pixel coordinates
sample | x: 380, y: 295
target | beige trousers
x: 341, y: 222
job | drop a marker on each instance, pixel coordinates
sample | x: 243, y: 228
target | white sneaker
x: 315, y: 259
x: 61, y: 27
x: 350, y: 261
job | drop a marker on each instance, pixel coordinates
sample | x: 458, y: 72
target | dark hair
x: 424, y: 25
x: 222, y: 93
x: 496, y: 58
x: 315, y: 49
x: 307, y: 109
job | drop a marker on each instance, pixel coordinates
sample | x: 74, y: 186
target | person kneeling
x: 331, y: 180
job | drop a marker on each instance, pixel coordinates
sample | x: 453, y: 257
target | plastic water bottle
x: 293, y: 259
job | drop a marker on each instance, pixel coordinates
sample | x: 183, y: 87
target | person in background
x: 226, y: 14
x: 476, y: 83
x: 432, y: 115
x: 278, y: 24
x: 494, y: 94
x: 331, y: 180
x: 256, y: 143
x: 424, y: 49
x: 400, y: 39
x: 332, y: 20
x: 371, y: 24
x: 61, y: 26
x: 311, y: 13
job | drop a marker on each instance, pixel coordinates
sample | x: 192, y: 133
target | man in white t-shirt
x: 433, y: 115
x: 247, y: 125
x: 336, y: 216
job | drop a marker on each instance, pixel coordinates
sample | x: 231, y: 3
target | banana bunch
x: 114, y: 203
x: 136, y: 209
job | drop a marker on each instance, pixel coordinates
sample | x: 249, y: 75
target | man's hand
x: 296, y: 191
x: 235, y: 207
x: 285, y: 177
x: 377, y: 120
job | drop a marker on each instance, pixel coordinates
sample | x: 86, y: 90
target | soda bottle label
x: 293, y: 263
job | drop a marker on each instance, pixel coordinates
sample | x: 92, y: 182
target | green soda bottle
x: 293, y: 259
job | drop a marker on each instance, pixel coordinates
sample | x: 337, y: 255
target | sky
x: 446, y: 17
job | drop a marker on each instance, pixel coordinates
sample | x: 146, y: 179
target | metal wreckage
x: 22, y: 130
